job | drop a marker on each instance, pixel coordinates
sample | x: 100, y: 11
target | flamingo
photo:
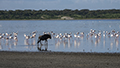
x: 69, y: 36
x: 7, y: 38
x: 10, y: 37
x: 104, y: 34
x: 77, y: 33
x: 57, y: 36
x: 75, y: 36
x: 26, y: 37
x: 6, y: 34
x: 1, y: 36
x: 34, y: 32
x: 15, y: 38
x: 96, y: 36
x: 33, y: 36
x: 113, y: 31
x: 15, y: 33
x: 44, y: 33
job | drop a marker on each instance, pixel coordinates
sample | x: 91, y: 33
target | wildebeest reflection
x: 43, y: 38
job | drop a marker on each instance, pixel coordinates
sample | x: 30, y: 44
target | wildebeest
x: 43, y: 38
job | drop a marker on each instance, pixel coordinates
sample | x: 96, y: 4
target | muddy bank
x: 58, y: 60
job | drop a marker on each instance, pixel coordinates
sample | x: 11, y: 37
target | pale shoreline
x: 14, y: 59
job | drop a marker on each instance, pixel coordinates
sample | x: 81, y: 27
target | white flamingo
x: 34, y: 32
x: 1, y: 36
x: 15, y: 33
x: 33, y: 36
x: 15, y: 38
x: 26, y: 37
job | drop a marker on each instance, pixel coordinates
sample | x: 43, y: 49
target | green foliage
x: 57, y: 14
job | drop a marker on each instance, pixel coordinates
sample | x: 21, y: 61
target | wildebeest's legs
x: 46, y: 45
x: 39, y: 48
x: 40, y: 42
x: 46, y: 41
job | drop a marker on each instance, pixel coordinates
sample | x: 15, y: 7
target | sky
x: 59, y: 4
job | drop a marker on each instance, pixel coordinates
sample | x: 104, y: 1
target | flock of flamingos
x: 13, y: 37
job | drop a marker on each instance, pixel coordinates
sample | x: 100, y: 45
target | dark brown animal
x: 43, y: 37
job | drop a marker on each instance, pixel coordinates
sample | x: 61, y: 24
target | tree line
x: 57, y: 14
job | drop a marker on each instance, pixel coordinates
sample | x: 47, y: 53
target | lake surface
x: 85, y: 43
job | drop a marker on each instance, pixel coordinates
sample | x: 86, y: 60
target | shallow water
x: 83, y: 44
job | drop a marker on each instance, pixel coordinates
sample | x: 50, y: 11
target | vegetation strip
x: 66, y: 14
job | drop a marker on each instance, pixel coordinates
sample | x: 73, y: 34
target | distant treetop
x: 59, y: 14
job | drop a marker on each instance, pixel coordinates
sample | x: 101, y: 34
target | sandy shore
x: 58, y: 60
